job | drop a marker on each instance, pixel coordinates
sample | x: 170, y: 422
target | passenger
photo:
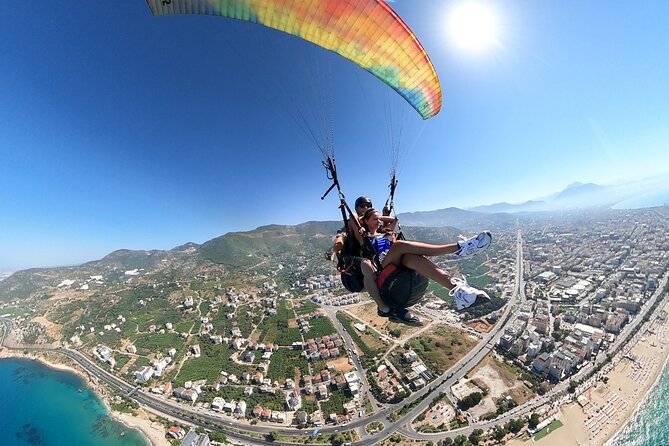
x: 411, y: 255
x: 360, y: 272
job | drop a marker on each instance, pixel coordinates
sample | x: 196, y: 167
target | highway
x: 208, y: 420
x: 245, y: 432
x: 472, y: 358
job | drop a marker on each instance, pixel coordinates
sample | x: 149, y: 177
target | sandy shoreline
x: 602, y: 410
x: 153, y: 431
x: 606, y: 407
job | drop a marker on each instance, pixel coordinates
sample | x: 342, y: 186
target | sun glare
x: 472, y: 26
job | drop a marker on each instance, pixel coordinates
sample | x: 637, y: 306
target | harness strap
x: 331, y: 172
x: 384, y: 273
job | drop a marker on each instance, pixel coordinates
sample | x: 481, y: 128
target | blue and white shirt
x: 381, y: 244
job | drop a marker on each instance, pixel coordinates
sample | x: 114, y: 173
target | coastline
x: 153, y: 431
x: 606, y: 408
x: 641, y: 402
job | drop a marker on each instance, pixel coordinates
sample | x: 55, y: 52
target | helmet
x: 363, y: 200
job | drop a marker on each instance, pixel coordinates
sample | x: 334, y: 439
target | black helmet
x: 363, y: 200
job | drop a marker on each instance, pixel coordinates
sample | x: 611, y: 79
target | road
x: 7, y: 326
x: 211, y: 421
x: 555, y: 393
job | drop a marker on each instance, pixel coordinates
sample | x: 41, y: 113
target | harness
x: 399, y: 286
x: 350, y: 243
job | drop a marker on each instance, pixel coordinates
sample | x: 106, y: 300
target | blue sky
x: 124, y: 130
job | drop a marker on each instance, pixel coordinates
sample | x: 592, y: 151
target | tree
x: 470, y: 400
x: 515, y: 425
x: 460, y: 440
x: 500, y: 432
x: 534, y: 421
x: 572, y: 386
x: 475, y: 436
x: 272, y: 436
x: 337, y: 439
x: 218, y: 436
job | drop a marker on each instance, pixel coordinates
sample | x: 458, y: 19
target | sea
x: 43, y: 406
x: 649, y: 425
x: 658, y: 197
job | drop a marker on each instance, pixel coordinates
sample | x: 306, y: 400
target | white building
x: 143, y: 374
x: 218, y: 403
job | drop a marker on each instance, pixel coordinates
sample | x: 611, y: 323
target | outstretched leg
x: 464, y: 248
x: 404, y: 247
x: 465, y: 295
x: 428, y: 269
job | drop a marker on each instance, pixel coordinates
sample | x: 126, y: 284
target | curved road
x: 211, y: 421
x: 240, y: 432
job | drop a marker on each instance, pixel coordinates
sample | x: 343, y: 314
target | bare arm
x: 355, y: 227
x: 337, y: 246
x: 338, y: 243
x: 389, y: 222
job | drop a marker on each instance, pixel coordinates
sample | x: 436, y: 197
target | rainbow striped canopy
x: 367, y: 32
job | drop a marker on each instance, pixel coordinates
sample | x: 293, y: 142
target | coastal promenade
x: 255, y: 433
x: 211, y: 421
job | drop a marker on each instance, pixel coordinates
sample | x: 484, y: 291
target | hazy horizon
x: 121, y: 129
x: 641, y: 200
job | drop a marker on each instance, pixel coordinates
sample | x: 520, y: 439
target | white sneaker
x: 465, y: 295
x: 472, y: 246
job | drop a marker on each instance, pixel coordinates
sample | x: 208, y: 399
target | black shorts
x: 401, y: 287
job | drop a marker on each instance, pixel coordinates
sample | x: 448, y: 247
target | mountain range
x: 276, y: 253
x: 587, y: 195
x: 277, y: 245
x: 577, y: 196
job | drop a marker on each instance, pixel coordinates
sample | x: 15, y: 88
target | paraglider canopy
x: 367, y: 32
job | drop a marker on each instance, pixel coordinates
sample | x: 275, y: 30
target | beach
x: 601, y: 410
x: 152, y: 430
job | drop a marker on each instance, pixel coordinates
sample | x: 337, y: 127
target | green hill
x: 243, y: 249
x: 283, y: 253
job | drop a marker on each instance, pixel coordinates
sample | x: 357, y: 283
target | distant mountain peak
x: 190, y: 246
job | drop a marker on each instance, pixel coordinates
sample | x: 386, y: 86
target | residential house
x: 176, y: 432
x: 240, y: 409
x: 143, y: 374
x: 218, y: 403
x: 541, y: 362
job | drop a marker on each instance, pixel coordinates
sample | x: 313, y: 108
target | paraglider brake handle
x: 331, y: 173
x: 328, y: 191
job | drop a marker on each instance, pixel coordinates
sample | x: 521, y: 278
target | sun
x: 472, y: 26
